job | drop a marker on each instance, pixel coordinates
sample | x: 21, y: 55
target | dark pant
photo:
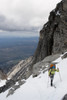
x: 51, y: 77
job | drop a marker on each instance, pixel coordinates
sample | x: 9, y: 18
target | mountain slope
x: 39, y: 88
x: 53, y: 40
x: 53, y: 36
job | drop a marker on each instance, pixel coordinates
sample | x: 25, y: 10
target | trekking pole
x: 60, y: 76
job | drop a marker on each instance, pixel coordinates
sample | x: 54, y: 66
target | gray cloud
x: 10, y: 25
x: 24, y: 15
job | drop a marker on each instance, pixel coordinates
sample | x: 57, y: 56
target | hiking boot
x: 51, y: 84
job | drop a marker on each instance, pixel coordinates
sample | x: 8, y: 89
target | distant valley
x: 12, y: 50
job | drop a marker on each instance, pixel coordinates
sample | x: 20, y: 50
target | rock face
x: 65, y: 97
x: 21, y: 71
x: 21, y: 67
x: 53, y: 36
x: 2, y: 75
x: 64, y: 56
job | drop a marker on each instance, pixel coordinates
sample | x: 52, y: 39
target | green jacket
x: 52, y: 72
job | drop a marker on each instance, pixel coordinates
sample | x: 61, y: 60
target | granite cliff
x: 53, y: 36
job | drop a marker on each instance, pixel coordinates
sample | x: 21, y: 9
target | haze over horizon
x: 24, y: 18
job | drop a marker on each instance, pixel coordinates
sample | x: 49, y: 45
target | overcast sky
x: 24, y: 17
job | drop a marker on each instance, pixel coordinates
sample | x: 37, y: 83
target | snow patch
x: 39, y: 88
x: 2, y: 82
x: 58, y: 13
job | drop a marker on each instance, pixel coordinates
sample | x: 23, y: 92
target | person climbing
x: 52, y: 71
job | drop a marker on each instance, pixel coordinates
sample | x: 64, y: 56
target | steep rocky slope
x: 21, y: 68
x: 2, y: 75
x: 39, y: 88
x: 53, y: 36
x: 21, y: 71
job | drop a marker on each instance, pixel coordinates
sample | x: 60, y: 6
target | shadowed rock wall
x: 53, y: 36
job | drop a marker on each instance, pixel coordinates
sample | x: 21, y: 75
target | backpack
x: 52, y: 66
